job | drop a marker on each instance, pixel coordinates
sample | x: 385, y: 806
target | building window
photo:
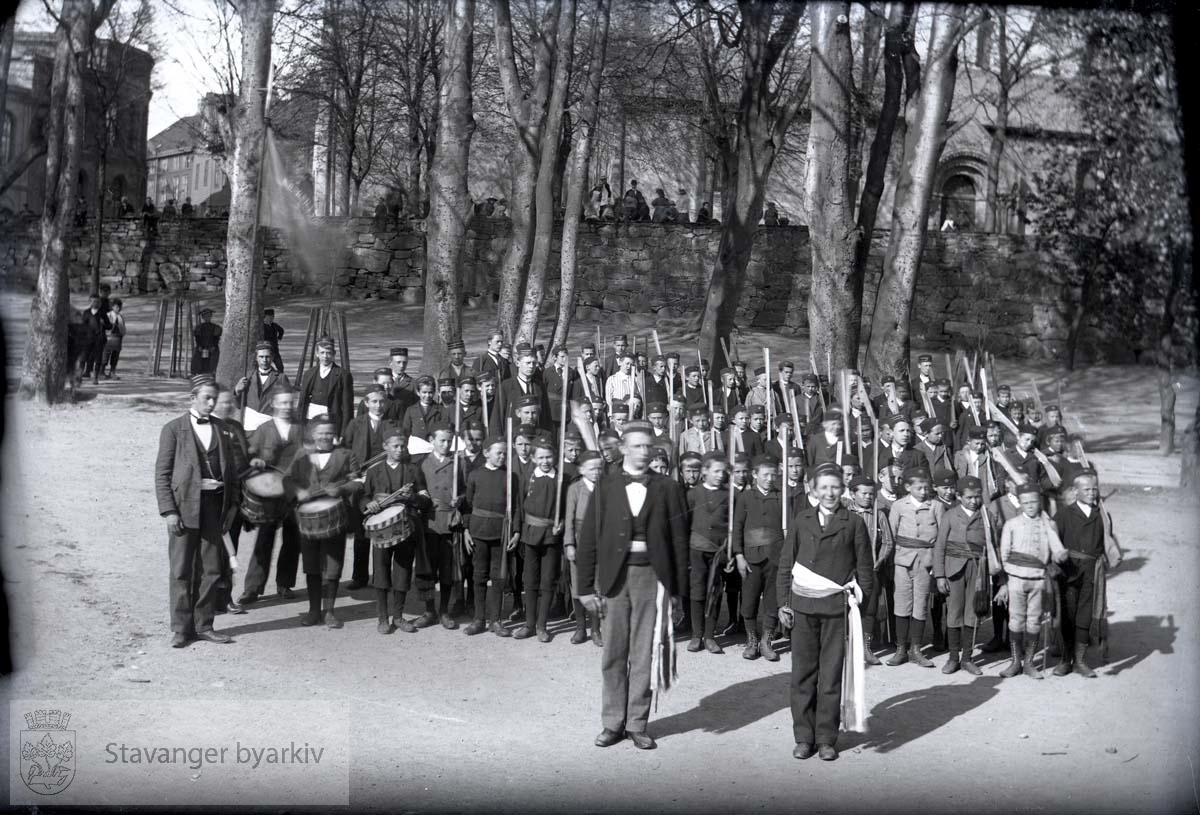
x: 206, y: 163
x: 6, y: 138
x: 958, y: 202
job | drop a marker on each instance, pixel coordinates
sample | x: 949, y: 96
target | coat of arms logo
x: 47, y: 751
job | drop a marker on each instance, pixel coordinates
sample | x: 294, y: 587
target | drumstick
x: 783, y: 504
x: 507, y: 528
x: 233, y: 564
x: 767, y: 365
x: 562, y: 443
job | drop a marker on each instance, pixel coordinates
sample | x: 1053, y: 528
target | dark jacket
x: 839, y: 551
x: 258, y: 395
x: 341, y: 399
x: 177, y: 471
x: 267, y: 444
x: 603, y: 542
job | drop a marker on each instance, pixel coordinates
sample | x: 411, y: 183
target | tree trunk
x: 46, y: 367
x: 833, y: 329
x: 448, y: 215
x: 862, y: 96
x: 1166, y: 353
x: 888, y: 344
x: 996, y: 218
x: 98, y: 227
x: 415, y: 188
x: 249, y: 131
x: 576, y: 181
x: 7, y: 34
x: 527, y: 111
x: 535, y: 281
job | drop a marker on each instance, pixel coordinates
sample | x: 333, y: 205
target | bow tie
x: 201, y: 419
x: 642, y: 479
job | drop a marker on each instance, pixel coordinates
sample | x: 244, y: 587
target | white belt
x: 637, y: 545
x: 316, y: 409
x: 211, y: 484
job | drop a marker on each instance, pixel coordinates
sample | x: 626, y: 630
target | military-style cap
x: 399, y: 351
x: 1027, y: 428
x: 638, y: 426
x: 692, y: 369
x: 764, y: 460
x: 914, y: 473
x: 756, y: 410
x: 969, y: 482
x: 655, y: 407
x: 1029, y: 488
x: 699, y: 410
x: 672, y: 355
x: 445, y: 382
x: 588, y: 455
x: 326, y: 342
x: 928, y: 424
x: 692, y: 455
x: 980, y: 433
x: 268, y: 312
x: 945, y: 478
x: 263, y: 346
x: 759, y: 371
x: 467, y: 380
x: 203, y: 379
x: 619, y: 409
x: 205, y: 310
x: 924, y: 358
x: 455, y: 345
x: 850, y: 460
x: 786, y: 364
x: 528, y: 401
x: 861, y: 481
x: 896, y: 419
x: 382, y: 372
x: 828, y: 468
x: 526, y: 430
x: 809, y: 379
x: 486, y: 376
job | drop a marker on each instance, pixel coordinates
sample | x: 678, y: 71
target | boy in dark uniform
x: 392, y: 565
x: 276, y: 443
x: 824, y: 446
x: 541, y: 539
x: 708, y: 514
x: 364, y: 438
x: 327, y: 389
x: 326, y: 471
x: 272, y: 333
x: 484, y: 504
x: 579, y: 495
x: 207, y: 337
x: 437, y: 565
x: 757, y: 539
x: 419, y: 418
x: 960, y: 567
x: 862, y: 503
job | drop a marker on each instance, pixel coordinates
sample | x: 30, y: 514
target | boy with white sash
x: 826, y: 568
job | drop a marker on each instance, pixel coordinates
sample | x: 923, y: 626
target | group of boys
x: 959, y: 508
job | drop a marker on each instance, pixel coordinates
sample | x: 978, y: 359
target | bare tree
x: 449, y: 203
x: 527, y: 108
x: 547, y: 172
x: 925, y: 136
x: 45, y: 367
x: 576, y: 181
x: 246, y: 124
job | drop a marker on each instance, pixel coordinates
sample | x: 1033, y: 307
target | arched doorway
x: 958, y: 201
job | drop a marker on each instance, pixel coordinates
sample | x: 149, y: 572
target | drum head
x: 265, y: 484
x: 386, y: 515
x: 318, y: 505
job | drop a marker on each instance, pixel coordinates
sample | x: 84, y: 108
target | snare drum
x: 322, y: 518
x: 262, y: 497
x: 389, y: 527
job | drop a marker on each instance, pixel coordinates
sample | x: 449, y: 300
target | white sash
x: 315, y: 409
x: 807, y: 583
x: 252, y: 419
x: 664, y: 669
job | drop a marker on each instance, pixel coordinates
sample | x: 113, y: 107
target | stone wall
x: 1003, y: 285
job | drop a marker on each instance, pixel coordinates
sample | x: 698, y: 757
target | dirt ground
x: 443, y: 722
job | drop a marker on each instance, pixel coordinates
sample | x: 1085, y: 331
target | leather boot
x: 915, y: 656
x: 765, y: 648
x: 1082, y: 667
x: 312, y: 583
x: 1031, y: 646
x: 331, y: 619
x: 952, y: 664
x: 1014, y: 648
x: 751, y: 649
x: 1065, y: 662
x: 869, y: 652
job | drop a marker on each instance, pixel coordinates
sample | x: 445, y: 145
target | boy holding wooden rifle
x: 708, y: 514
x: 579, y: 494
x: 757, y: 540
x: 484, y: 505
x: 862, y: 503
x: 960, y: 567
x: 541, y: 536
x: 435, y: 563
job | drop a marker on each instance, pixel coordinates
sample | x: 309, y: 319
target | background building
x: 118, y: 92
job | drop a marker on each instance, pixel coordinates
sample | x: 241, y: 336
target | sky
x: 186, y: 67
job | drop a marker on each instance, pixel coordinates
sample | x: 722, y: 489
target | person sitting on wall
x: 771, y: 215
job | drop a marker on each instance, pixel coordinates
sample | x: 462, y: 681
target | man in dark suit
x: 95, y: 324
x: 612, y: 361
x: 831, y: 542
x: 634, y: 539
x: 492, y: 361
x: 555, y: 378
x: 513, y: 389
x: 196, y: 484
x: 257, y: 392
x: 404, y: 386
x: 272, y: 333
x: 327, y: 388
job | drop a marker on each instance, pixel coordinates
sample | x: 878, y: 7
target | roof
x: 180, y: 137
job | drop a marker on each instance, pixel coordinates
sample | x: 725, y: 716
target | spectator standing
x: 112, y: 348
x: 95, y: 324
